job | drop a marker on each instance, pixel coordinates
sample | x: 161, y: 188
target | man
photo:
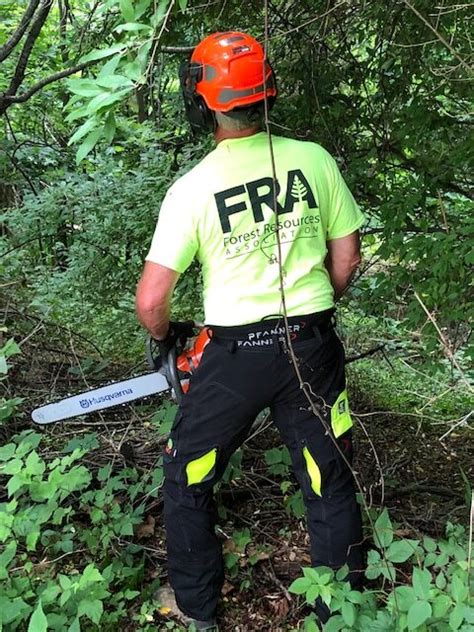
x: 222, y: 212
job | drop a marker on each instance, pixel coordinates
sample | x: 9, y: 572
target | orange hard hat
x: 234, y: 71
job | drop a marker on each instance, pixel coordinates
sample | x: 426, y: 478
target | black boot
x: 322, y: 611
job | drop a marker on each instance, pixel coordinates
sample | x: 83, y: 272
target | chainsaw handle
x: 171, y: 372
x: 167, y: 364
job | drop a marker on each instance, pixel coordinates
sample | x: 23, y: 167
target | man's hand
x: 152, y: 302
x: 342, y: 261
x: 178, y: 330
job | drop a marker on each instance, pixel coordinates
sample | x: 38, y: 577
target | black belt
x: 271, y: 331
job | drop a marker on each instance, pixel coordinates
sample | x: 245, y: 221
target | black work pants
x: 230, y: 387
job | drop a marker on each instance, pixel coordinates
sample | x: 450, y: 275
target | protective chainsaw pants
x: 243, y: 371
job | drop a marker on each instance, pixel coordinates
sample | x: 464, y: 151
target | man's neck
x: 223, y: 134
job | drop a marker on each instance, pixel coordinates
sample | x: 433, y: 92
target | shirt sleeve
x: 175, y: 240
x: 344, y: 215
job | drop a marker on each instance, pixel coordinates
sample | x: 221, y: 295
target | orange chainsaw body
x: 189, y: 360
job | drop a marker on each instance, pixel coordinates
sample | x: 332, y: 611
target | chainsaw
x: 168, y: 374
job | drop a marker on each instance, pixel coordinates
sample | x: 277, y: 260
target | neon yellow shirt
x: 222, y: 213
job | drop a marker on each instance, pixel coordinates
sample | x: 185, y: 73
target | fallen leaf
x: 145, y: 529
x: 227, y: 588
x: 280, y: 608
x: 229, y: 546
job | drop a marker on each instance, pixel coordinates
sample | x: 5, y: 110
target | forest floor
x: 400, y: 460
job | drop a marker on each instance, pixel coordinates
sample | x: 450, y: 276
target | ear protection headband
x: 200, y: 117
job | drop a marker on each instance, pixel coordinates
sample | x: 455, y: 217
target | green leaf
x: 32, y: 539
x: 76, y: 114
x: 12, y: 610
x: 126, y: 8
x: 456, y: 617
x: 429, y: 544
x: 430, y: 559
x: 84, y: 87
x: 311, y: 574
x: 183, y: 4
x: 7, y: 451
x: 421, y: 580
x: 404, y: 597
x: 10, y: 348
x: 140, y: 7
x: 3, y: 365
x: 88, y: 145
x: 310, y: 624
x: 109, y: 127
x: 312, y: 593
x: 14, y: 466
x: 441, y: 581
x: 399, y: 551
x: 75, y: 626
x: 90, y: 574
x: 38, y: 621
x: 6, y: 557
x: 92, y: 608
x: 34, y: 464
x: 335, y: 624
x: 300, y: 585
x: 341, y: 573
x: 133, y: 26
x: 441, y: 605
x: 354, y: 596
x: 102, y: 53
x: 114, y: 81
x: 84, y: 129
x: 143, y: 53
x: 6, y: 523
x: 419, y: 612
x: 50, y: 593
x: 85, y: 443
x: 459, y: 590
x: 348, y: 612
x: 109, y: 68
x: 383, y: 536
x: 65, y: 596
x: 388, y: 571
x: 103, y: 101
x: 160, y: 13
x: 133, y: 71
x: 14, y: 484
x: 374, y: 565
x: 273, y: 456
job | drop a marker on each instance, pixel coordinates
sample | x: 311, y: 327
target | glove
x: 178, y: 331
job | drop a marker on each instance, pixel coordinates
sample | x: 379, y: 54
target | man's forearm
x: 154, y: 291
x: 342, y: 261
x: 155, y: 320
x: 341, y: 277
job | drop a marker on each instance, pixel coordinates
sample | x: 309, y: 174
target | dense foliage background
x: 92, y: 135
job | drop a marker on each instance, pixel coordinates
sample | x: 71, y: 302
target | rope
x: 304, y: 386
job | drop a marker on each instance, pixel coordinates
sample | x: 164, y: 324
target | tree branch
x: 24, y: 96
x: 439, y: 36
x: 177, y: 49
x: 31, y: 38
x: 8, y: 47
x: 365, y: 354
x: 9, y: 98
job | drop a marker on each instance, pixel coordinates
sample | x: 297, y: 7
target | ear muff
x: 200, y: 117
